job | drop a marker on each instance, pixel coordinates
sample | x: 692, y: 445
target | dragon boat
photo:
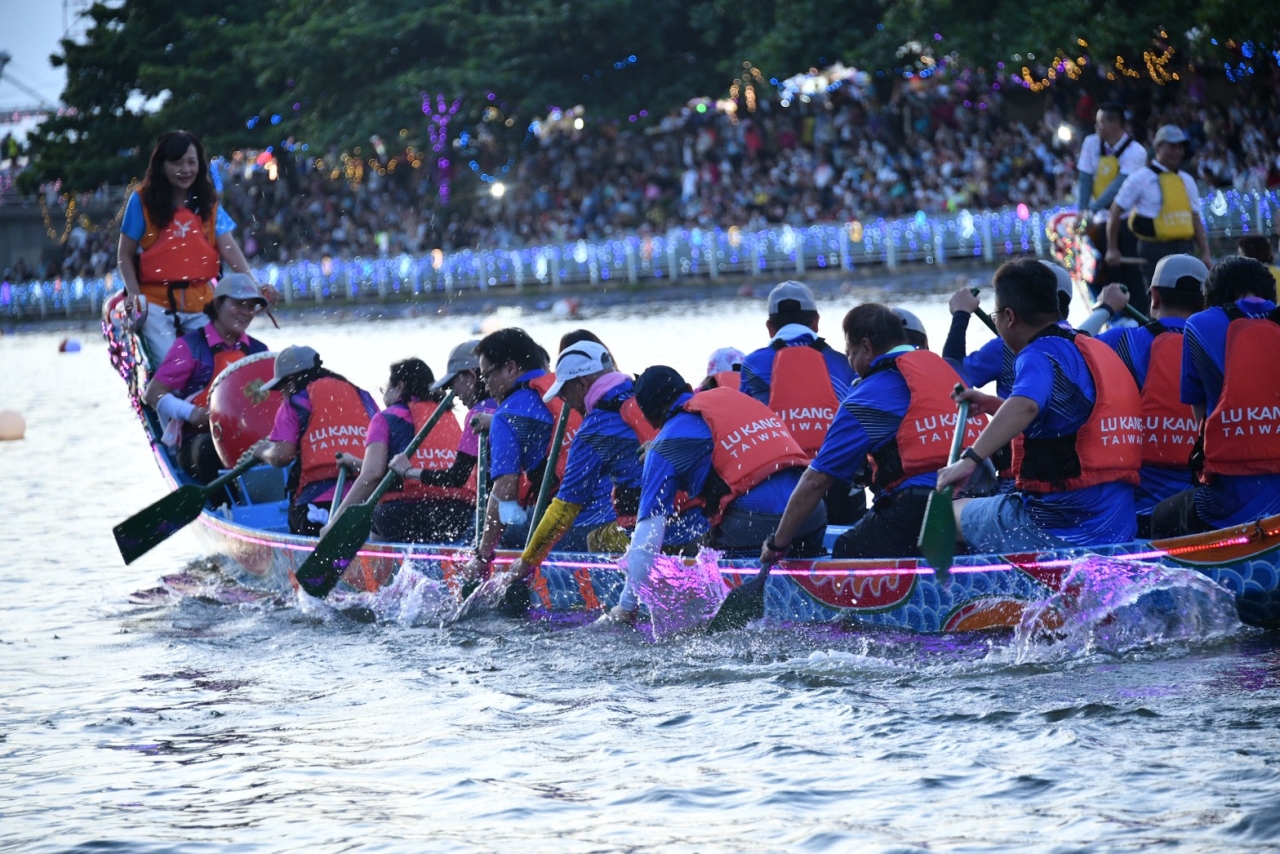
x: 250, y: 539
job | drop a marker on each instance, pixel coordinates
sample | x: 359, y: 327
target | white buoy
x: 12, y: 425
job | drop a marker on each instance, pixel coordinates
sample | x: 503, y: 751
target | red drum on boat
x: 240, y: 412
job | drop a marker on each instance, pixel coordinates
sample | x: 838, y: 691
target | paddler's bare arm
x: 1013, y: 416
x: 504, y: 488
x: 230, y: 252
x: 278, y: 454
x: 125, y: 254
x: 1202, y: 240
x: 1113, y: 235
x: 371, y: 469
x: 809, y: 491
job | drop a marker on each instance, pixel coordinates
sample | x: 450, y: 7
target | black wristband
x: 971, y: 454
x: 773, y: 546
x: 1111, y: 312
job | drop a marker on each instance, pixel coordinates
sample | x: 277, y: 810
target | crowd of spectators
x: 842, y: 156
x: 839, y: 158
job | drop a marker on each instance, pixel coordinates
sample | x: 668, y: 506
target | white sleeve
x: 1133, y: 158
x: 646, y: 544
x: 1088, y: 161
x: 1128, y: 195
x: 171, y: 406
x: 1094, y: 322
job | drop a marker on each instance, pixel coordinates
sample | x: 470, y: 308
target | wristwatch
x: 772, y: 546
x: 971, y: 454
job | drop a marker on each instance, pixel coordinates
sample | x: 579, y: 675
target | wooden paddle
x: 937, y: 540
x: 983, y: 316
x: 341, y: 484
x: 743, y: 604
x: 482, y: 484
x: 1133, y: 312
x: 553, y: 459
x: 515, y: 599
x: 323, y: 568
x: 143, y: 531
x: 515, y: 596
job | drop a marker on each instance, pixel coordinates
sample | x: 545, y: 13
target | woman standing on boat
x: 173, y: 239
x: 323, y: 415
x: 416, y: 510
x: 179, y: 389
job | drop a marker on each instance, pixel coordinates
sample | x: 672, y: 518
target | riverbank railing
x: 777, y: 252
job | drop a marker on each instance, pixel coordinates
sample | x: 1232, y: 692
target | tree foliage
x: 336, y: 72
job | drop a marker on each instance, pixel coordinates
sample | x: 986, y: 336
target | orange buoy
x: 12, y: 426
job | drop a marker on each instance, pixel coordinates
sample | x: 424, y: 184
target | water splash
x: 681, y: 598
x: 1113, y: 607
x: 411, y: 599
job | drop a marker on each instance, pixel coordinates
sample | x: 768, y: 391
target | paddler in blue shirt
x: 1229, y: 378
x: 898, y: 418
x: 603, y: 459
x: 603, y: 466
x: 803, y: 379
x: 1153, y: 355
x: 1079, y: 417
x: 721, y: 446
x: 993, y: 361
x: 519, y: 438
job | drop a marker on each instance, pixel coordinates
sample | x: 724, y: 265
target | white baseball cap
x: 1171, y: 134
x: 1064, y: 278
x: 239, y: 286
x: 579, y: 360
x: 791, y: 292
x: 910, y: 322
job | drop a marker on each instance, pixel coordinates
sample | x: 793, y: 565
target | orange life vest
x: 800, y: 391
x: 177, y: 262
x: 438, y: 452
x: 1108, y: 446
x: 750, y: 443
x: 634, y: 418
x: 528, y: 494
x: 338, y: 423
x: 1242, y: 434
x: 624, y: 501
x: 726, y: 379
x: 1169, y: 427
x: 923, y: 440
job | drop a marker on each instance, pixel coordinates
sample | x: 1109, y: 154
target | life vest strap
x: 1052, y: 460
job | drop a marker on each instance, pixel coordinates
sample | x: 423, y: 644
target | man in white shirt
x: 1161, y: 205
x: 1107, y: 157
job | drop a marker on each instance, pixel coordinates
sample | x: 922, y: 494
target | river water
x: 141, y: 720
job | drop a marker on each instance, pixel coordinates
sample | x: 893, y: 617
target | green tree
x: 137, y: 55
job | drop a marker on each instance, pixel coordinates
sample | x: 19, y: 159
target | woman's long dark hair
x: 417, y: 378
x: 156, y: 191
x: 302, y: 379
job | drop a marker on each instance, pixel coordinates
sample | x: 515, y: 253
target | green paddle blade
x: 938, y: 533
x: 322, y: 569
x: 743, y: 604
x: 142, y: 532
x: 147, y: 529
